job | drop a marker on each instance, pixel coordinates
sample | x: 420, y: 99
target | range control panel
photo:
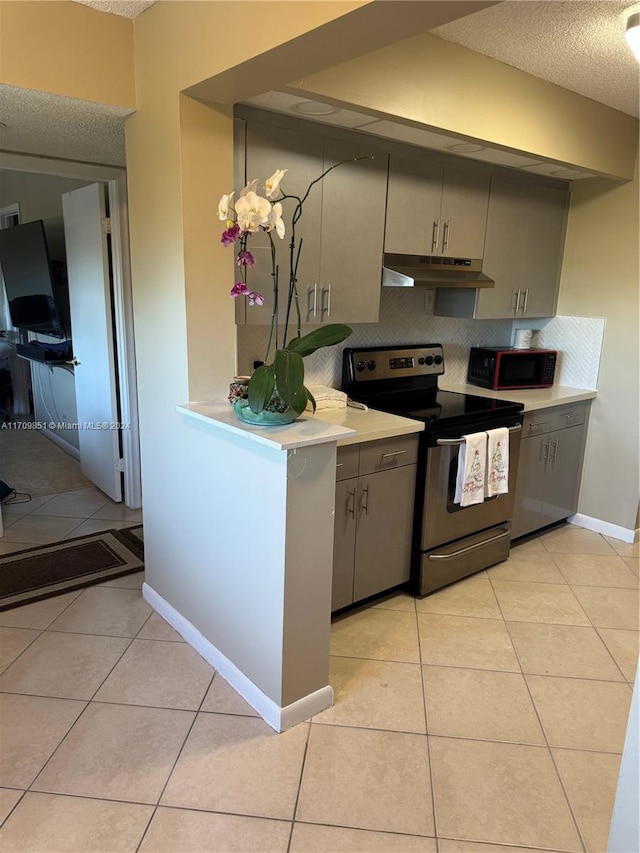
x: 398, y: 363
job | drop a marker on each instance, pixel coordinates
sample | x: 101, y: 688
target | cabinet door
x: 530, y: 486
x: 385, y: 523
x: 353, y: 212
x: 504, y: 246
x: 563, y: 472
x: 344, y: 543
x: 465, y: 198
x: 414, y: 198
x: 542, y: 250
x: 267, y: 149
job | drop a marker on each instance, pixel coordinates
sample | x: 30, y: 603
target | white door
x: 89, y: 277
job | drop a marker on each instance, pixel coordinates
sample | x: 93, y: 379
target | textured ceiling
x: 125, y: 8
x: 38, y: 123
x: 577, y: 45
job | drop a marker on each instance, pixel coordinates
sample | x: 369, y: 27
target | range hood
x: 433, y: 271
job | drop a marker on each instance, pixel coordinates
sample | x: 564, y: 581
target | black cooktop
x: 403, y: 380
x: 443, y: 409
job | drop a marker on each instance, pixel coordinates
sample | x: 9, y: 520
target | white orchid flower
x: 275, y: 220
x: 250, y: 187
x: 223, y: 206
x: 272, y: 184
x: 252, y: 211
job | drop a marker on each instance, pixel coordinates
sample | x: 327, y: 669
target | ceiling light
x: 633, y: 34
x: 313, y: 108
x: 465, y: 147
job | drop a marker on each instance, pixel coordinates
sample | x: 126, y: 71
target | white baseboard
x: 279, y: 718
x: 624, y: 534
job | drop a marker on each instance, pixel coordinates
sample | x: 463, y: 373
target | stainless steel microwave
x: 503, y: 368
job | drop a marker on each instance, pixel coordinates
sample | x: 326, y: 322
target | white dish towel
x: 327, y: 398
x: 472, y: 462
x: 498, y: 461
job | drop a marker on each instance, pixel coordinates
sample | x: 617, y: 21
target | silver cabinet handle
x: 534, y: 425
x: 434, y: 235
x: 326, y: 290
x: 312, y: 301
x: 339, y: 464
x: 516, y: 301
x: 364, y: 505
x: 553, y: 448
x: 452, y: 442
x: 466, y: 550
x: 445, y: 234
x: 393, y: 453
x: 526, y: 299
x: 351, y: 503
x: 545, y: 447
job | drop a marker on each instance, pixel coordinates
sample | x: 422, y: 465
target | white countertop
x: 369, y: 426
x: 353, y: 426
x: 533, y: 398
x: 304, y: 431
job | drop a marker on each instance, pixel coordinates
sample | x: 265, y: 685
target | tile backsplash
x: 407, y: 318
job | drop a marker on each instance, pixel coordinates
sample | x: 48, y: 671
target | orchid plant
x: 279, y: 382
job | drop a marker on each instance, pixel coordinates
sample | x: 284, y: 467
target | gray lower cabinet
x: 550, y: 467
x: 374, y: 518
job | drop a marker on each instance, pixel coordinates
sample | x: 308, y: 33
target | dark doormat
x: 47, y: 570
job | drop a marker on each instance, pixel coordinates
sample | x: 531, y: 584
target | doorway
x: 69, y: 175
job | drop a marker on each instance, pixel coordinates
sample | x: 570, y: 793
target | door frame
x: 115, y: 178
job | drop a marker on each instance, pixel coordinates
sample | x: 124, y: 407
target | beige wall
x: 40, y: 197
x: 600, y: 279
x: 427, y: 80
x: 67, y: 49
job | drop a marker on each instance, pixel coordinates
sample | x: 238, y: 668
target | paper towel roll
x: 523, y: 338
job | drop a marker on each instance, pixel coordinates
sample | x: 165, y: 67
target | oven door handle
x: 453, y: 442
x: 466, y: 550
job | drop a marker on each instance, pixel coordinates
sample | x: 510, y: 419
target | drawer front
x: 347, y: 462
x: 554, y: 418
x: 388, y: 453
x: 568, y: 416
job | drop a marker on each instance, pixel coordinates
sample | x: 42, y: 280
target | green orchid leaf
x: 261, y: 387
x: 289, y: 369
x: 323, y: 336
x: 311, y: 398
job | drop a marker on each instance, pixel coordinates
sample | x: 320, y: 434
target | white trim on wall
x: 279, y: 718
x: 605, y: 527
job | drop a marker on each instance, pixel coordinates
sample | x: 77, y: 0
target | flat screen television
x: 36, y: 286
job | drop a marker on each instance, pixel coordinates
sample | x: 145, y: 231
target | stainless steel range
x: 450, y: 541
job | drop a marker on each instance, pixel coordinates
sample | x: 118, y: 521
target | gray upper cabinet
x: 526, y: 225
x: 267, y: 149
x: 547, y: 209
x: 341, y: 227
x: 434, y: 209
x: 353, y: 211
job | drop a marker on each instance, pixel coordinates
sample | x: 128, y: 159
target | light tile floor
x: 487, y: 718
x: 52, y: 518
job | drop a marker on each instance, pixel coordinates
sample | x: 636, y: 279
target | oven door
x: 445, y: 521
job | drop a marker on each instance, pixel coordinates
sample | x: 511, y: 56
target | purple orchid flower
x: 230, y: 235
x: 255, y: 298
x: 239, y: 289
x: 245, y: 259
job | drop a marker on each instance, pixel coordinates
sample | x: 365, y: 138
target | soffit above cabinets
x: 423, y: 137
